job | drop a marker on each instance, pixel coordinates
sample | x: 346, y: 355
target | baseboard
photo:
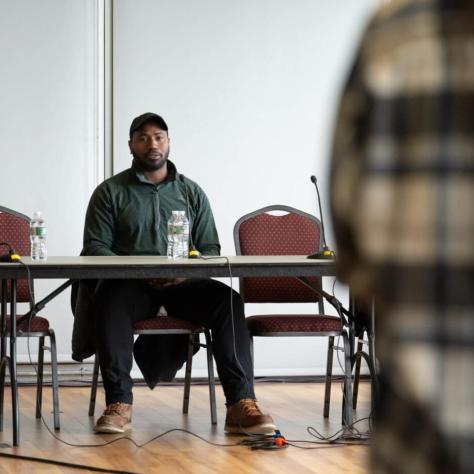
x: 67, y: 372
x: 81, y: 372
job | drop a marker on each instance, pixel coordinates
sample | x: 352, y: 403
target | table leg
x: 3, y: 329
x: 13, y: 375
x: 3, y: 348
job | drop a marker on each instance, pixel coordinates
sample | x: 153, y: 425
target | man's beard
x: 149, y: 162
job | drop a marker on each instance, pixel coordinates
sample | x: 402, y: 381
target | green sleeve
x: 204, y: 230
x: 99, y: 228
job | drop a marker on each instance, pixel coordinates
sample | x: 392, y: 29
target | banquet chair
x: 15, y: 231
x: 283, y: 230
x: 170, y: 325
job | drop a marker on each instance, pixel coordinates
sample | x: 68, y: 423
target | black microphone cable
x: 254, y: 441
x: 348, y: 434
x: 326, y: 253
x: 32, y: 313
x: 98, y: 445
x: 193, y: 252
x: 14, y: 257
x: 247, y: 385
x: 264, y: 441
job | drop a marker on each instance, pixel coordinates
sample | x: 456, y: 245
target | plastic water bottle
x: 178, y: 235
x: 39, y: 250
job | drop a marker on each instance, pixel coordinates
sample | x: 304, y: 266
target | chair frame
x: 347, y: 398
x: 192, y: 342
x: 5, y: 334
x: 359, y: 354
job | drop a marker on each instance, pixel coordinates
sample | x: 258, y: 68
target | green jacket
x: 128, y: 215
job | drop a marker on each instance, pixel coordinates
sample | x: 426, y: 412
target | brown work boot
x: 244, y: 417
x: 117, y: 418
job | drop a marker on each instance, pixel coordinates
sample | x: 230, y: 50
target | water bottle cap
x: 178, y: 213
x: 37, y: 215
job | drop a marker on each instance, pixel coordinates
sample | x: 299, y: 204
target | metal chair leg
x: 347, y: 398
x: 95, y: 381
x: 357, y: 364
x: 329, y: 363
x: 372, y: 363
x: 212, y: 382
x: 39, y: 377
x: 54, y: 378
x: 187, y: 377
x: 3, y: 365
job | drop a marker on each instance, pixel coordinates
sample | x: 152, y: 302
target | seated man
x: 127, y: 215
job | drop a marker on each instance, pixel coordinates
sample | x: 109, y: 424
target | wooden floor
x: 294, y: 406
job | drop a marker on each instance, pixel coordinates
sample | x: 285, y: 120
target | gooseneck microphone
x: 193, y: 252
x: 325, y: 253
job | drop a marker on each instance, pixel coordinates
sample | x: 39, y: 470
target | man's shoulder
x: 192, y: 185
x: 116, y: 181
x: 121, y: 178
x: 112, y: 187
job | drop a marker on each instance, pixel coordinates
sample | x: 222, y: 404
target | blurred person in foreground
x: 402, y: 191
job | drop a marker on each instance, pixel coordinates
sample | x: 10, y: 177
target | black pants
x: 121, y: 303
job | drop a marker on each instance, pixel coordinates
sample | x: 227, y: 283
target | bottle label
x: 178, y: 229
x: 40, y: 231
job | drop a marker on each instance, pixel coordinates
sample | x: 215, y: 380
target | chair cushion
x: 293, y: 323
x: 37, y: 324
x: 164, y: 323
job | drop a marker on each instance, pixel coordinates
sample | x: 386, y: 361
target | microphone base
x: 193, y: 253
x: 324, y: 255
x: 10, y: 257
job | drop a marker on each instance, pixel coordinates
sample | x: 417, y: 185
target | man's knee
x: 223, y: 292
x: 111, y: 294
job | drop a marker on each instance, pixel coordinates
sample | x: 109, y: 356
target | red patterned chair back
x: 15, y: 230
x: 264, y: 233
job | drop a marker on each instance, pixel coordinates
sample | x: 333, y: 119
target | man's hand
x: 164, y: 282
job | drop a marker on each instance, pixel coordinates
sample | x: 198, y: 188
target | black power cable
x: 254, y: 441
x: 61, y: 463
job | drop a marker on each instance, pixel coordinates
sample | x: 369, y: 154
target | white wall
x: 48, y: 127
x: 248, y: 88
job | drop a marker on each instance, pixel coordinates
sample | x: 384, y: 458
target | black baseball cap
x: 147, y: 117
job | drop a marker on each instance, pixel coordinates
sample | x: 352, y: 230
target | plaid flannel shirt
x: 402, y: 198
